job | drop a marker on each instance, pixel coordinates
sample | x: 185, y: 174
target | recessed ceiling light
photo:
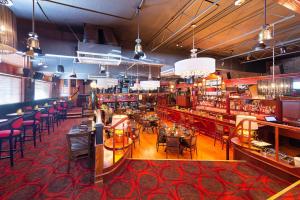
x: 7, y: 3
x: 45, y: 66
x: 239, y: 2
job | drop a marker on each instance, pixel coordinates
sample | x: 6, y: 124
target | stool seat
x: 46, y: 115
x: 30, y: 122
x: 6, y: 133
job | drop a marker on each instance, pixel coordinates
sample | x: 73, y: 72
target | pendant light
x: 8, y: 31
x: 198, y: 67
x: 138, y: 49
x: 33, y: 44
x: 73, y: 73
x: 266, y: 33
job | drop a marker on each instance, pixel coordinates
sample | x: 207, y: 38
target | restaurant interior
x: 150, y: 99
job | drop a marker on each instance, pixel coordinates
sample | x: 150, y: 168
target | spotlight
x: 283, y: 50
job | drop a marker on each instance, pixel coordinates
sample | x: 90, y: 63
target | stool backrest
x: 37, y: 115
x: 17, y: 123
x: 51, y: 110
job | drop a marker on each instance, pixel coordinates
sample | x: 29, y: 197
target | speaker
x: 26, y: 72
x: 38, y: 76
x: 60, y: 68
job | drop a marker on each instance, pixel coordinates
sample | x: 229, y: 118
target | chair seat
x: 6, y: 133
x: 46, y: 115
x: 30, y: 122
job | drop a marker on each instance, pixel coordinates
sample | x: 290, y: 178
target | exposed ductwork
x: 99, y: 46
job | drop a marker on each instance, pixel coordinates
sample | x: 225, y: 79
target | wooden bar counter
x: 199, y: 120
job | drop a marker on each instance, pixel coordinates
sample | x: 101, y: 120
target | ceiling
x: 165, y: 24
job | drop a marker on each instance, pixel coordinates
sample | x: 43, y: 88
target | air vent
x: 89, y: 53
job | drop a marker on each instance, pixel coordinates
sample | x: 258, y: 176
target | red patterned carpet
x: 41, y: 174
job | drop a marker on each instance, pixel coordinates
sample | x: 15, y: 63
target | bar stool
x: 48, y: 118
x: 34, y: 123
x: 14, y: 134
x: 64, y: 110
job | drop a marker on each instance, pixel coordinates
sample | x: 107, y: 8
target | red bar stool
x: 48, y: 119
x: 65, y: 110
x: 34, y: 123
x: 12, y: 135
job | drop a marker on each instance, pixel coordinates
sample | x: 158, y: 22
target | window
x: 42, y: 90
x: 65, y: 90
x: 10, y: 89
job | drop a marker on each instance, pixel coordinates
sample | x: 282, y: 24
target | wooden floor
x: 206, y: 149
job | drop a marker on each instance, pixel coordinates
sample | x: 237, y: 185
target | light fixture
x: 8, y: 33
x: 93, y: 85
x: 266, y: 32
x: 105, y: 83
x: 138, y: 49
x: 150, y: 85
x: 198, y: 67
x: 33, y: 44
x: 239, y: 2
x: 283, y: 50
x: 150, y: 75
x: 73, y: 74
x: 7, y: 3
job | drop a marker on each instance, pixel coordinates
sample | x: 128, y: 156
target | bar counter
x: 203, y: 121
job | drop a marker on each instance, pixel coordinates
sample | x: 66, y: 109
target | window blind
x: 10, y: 89
x: 42, y: 90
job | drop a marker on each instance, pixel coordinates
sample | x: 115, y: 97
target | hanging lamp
x: 198, y: 67
x: 33, y: 44
x: 266, y: 33
x: 8, y: 31
x: 138, y: 49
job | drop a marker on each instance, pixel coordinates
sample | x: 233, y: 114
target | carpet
x: 42, y: 174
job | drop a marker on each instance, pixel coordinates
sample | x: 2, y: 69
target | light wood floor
x: 206, y: 149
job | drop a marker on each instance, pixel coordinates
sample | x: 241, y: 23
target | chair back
x: 65, y: 105
x: 27, y: 108
x: 51, y: 110
x: 37, y: 115
x: 172, y: 141
x: 17, y: 123
x: 193, y: 140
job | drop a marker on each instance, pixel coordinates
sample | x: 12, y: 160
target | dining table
x: 18, y: 114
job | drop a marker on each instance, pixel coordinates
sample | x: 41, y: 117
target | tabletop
x: 84, y: 127
x: 17, y: 114
x: 3, y: 120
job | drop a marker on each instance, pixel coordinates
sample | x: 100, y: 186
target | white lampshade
x: 200, y: 67
x: 150, y: 85
x: 254, y: 125
x: 104, y: 83
x: 117, y: 118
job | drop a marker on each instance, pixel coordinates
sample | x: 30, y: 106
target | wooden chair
x: 135, y: 132
x: 161, y: 138
x: 79, y: 146
x: 172, y: 145
x: 219, y: 132
x: 190, y: 144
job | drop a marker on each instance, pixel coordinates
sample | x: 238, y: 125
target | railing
x: 240, y: 127
x: 113, y: 128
